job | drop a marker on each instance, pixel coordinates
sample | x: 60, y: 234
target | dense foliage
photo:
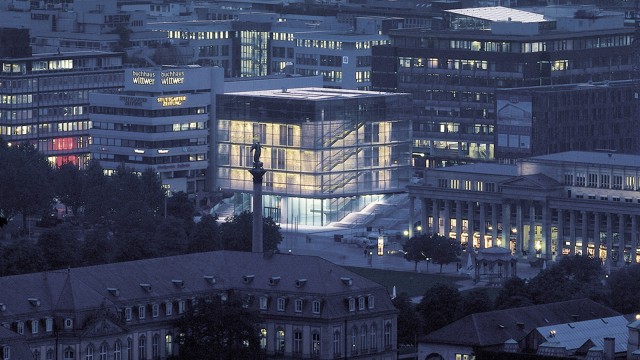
x: 436, y: 248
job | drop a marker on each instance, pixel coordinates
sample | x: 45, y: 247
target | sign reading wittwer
x: 166, y: 77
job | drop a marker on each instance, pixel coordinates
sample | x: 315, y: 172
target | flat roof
x: 482, y: 168
x: 500, y: 13
x: 63, y: 54
x: 592, y: 157
x: 316, y: 94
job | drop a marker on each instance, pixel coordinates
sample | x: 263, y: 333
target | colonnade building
x: 571, y: 203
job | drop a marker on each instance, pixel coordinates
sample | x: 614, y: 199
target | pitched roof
x: 495, y: 327
x: 573, y: 335
x: 186, y: 276
x: 540, y: 181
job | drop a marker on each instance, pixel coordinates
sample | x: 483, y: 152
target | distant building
x: 505, y: 331
x: 542, y: 120
x: 307, y: 306
x: 327, y: 152
x: 570, y: 203
x: 453, y: 73
x: 44, y: 100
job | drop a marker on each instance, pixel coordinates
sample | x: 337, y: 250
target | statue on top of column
x: 257, y: 164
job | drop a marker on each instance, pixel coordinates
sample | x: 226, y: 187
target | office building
x: 453, y: 73
x: 541, y: 120
x: 570, y: 203
x: 44, y: 100
x: 327, y: 152
x: 307, y: 307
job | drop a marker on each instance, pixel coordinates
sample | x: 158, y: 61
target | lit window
x: 280, y: 341
x: 263, y: 338
x: 168, y: 344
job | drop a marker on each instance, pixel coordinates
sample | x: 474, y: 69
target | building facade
x: 159, y: 121
x: 307, y: 307
x: 539, y: 120
x: 453, y: 73
x: 571, y: 203
x: 44, y: 100
x: 327, y: 152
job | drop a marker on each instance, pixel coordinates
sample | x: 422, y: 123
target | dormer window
x: 274, y: 280
x: 352, y: 304
x: 182, y: 307
x: 20, y: 327
x: 281, y: 304
x: 34, y: 301
x: 68, y: 323
x: 315, y: 307
x: 263, y: 302
x: 114, y: 291
x: 6, y: 352
x: 361, y: 303
x: 146, y: 287
x: 168, y: 308
x: 34, y: 326
x: 371, y: 302
x: 141, y: 312
x: 127, y: 314
x: 155, y: 310
x: 298, y: 305
x: 178, y: 283
x: 48, y: 323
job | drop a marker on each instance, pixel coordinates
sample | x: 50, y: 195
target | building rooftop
x: 500, y: 13
x: 64, y: 55
x: 313, y: 94
x: 591, y: 157
x: 488, y: 168
x: 573, y: 335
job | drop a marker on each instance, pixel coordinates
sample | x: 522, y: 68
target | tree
x: 409, y: 323
x: 68, y: 182
x: 514, y: 293
x: 22, y: 257
x: 439, y: 307
x: 236, y: 233
x: 217, y: 329
x: 171, y: 237
x: 205, y: 235
x: 97, y: 248
x: 624, y: 287
x: 60, y: 248
x: 416, y: 249
x: 443, y: 250
x: 474, y: 301
x: 179, y: 206
x: 25, y: 182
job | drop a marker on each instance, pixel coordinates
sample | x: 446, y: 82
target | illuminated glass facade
x: 326, y: 152
x: 44, y: 100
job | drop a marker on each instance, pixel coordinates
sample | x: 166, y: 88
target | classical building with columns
x: 560, y: 204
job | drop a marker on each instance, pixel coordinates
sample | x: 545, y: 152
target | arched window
x: 49, y: 355
x: 155, y: 346
x: 104, y: 350
x: 354, y: 340
x: 315, y: 343
x: 36, y: 354
x: 297, y: 341
x: 89, y: 352
x: 142, y: 350
x: 129, y: 348
x: 280, y: 341
x: 387, y: 335
x: 168, y: 344
x: 336, y: 343
x: 263, y: 338
x: 117, y: 350
x: 363, y: 339
x: 69, y: 354
x: 373, y: 343
x: 6, y: 352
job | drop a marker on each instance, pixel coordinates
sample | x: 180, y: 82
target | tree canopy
x: 436, y: 248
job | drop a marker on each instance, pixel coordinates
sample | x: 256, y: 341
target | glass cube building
x: 327, y: 152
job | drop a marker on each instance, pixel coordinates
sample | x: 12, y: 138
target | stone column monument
x: 257, y: 172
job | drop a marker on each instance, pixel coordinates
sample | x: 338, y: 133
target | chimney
x: 609, y: 348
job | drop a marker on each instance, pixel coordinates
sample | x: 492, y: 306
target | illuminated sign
x: 144, y: 78
x: 172, y: 100
x: 172, y: 77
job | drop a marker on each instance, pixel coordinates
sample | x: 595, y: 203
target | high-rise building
x: 453, y: 73
x: 44, y: 100
x: 327, y: 152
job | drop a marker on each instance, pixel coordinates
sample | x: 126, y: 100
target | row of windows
x: 197, y: 35
x: 213, y: 50
x: 117, y: 352
x: 38, y: 84
x: 34, y: 325
x: 603, y: 181
x: 45, y: 128
x: 604, y: 41
x: 186, y: 126
x: 182, y: 111
x: 141, y: 310
x: 467, y: 185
